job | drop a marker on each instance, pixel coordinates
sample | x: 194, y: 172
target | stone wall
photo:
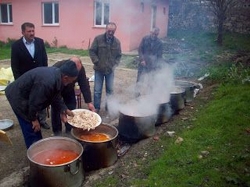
x: 195, y: 15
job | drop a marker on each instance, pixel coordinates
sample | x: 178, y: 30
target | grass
x: 204, y: 40
x: 65, y: 50
x: 197, y: 51
x: 220, y: 129
x: 215, y: 151
x: 5, y: 51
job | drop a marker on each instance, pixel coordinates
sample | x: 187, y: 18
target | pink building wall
x: 76, y: 21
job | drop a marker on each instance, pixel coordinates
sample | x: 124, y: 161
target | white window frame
x: 153, y: 16
x: 8, y: 14
x: 53, y: 14
x: 103, y: 2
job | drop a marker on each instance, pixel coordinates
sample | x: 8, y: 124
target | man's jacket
x: 22, y: 61
x: 34, y: 91
x: 104, y: 56
x: 150, y: 51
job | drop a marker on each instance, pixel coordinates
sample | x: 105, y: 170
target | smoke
x: 143, y: 98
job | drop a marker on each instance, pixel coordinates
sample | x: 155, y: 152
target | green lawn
x: 215, y: 151
x: 5, y: 51
x: 221, y: 130
x: 65, y: 50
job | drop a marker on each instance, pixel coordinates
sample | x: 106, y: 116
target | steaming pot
x: 177, y: 100
x: 98, y: 154
x: 63, y: 175
x: 134, y: 128
x: 189, y: 89
x: 164, y: 113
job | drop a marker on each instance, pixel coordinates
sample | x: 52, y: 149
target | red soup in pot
x: 55, y: 156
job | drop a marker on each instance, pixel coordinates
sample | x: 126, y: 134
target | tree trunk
x: 220, y: 32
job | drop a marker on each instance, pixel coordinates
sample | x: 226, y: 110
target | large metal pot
x: 189, y: 89
x: 135, y: 124
x: 164, y: 113
x: 177, y: 99
x: 63, y: 175
x: 98, y: 154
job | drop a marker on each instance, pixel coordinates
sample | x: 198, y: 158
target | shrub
x: 46, y: 44
x: 10, y: 42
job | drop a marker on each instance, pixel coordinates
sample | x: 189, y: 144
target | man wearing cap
x: 34, y: 91
x: 68, y: 95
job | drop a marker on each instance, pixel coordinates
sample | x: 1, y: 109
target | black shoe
x: 59, y: 133
x: 45, y: 125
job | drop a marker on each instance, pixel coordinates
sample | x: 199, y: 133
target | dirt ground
x: 14, y: 167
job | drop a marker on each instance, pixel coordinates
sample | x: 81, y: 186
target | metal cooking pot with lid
x: 98, y: 154
x: 63, y: 175
x: 164, y: 113
x: 177, y: 99
x: 137, y: 120
x: 189, y: 89
x: 132, y: 128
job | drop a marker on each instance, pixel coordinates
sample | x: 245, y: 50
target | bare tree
x: 221, y: 10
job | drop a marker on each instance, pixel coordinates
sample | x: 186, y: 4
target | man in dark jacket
x: 68, y: 95
x: 105, y: 53
x: 34, y: 91
x: 150, y: 53
x: 28, y: 53
x: 150, y: 59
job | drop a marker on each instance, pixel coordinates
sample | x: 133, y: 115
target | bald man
x: 68, y: 95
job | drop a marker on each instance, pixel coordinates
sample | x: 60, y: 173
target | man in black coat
x: 34, y: 91
x: 28, y: 53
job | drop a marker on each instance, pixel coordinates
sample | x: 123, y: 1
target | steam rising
x: 154, y: 89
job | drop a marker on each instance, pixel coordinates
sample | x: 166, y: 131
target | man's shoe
x: 45, y: 125
x: 59, y: 133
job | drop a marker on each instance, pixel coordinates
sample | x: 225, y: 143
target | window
x: 6, y: 13
x: 51, y: 13
x: 153, y: 16
x: 142, y: 6
x: 101, y: 13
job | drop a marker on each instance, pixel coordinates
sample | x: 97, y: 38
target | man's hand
x: 143, y: 63
x: 91, y: 107
x: 64, y: 115
x: 36, y: 125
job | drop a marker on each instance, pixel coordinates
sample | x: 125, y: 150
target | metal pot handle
x: 67, y: 168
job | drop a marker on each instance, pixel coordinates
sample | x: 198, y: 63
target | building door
x: 153, y: 16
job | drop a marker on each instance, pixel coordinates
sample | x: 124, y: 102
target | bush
x: 10, y: 42
x: 2, y: 44
x: 46, y: 44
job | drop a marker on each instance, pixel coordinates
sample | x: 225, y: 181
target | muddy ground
x: 14, y: 165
